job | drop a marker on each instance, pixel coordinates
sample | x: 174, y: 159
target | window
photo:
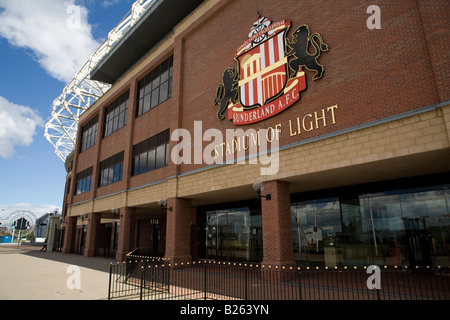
x: 111, y: 170
x: 83, y: 181
x: 116, y: 114
x: 89, y: 134
x: 69, y: 181
x: 151, y: 154
x: 155, y: 88
x: 391, y: 227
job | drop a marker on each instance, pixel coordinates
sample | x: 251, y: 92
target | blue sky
x: 39, y: 55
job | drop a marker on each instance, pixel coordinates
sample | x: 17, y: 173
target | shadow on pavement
x: 96, y: 263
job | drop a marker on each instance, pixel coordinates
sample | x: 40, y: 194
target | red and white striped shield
x: 263, y: 71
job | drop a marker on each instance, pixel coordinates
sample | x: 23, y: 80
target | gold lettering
x: 222, y: 144
x: 256, y: 140
x: 320, y: 118
x: 278, y: 130
x: 228, y: 148
x: 272, y: 135
x: 243, y: 142
x: 235, y: 143
x: 311, y: 126
x: 252, y: 140
x: 291, y: 134
x: 332, y: 112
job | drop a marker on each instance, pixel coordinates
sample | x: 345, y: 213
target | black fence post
x: 168, y: 278
x: 142, y: 281
x: 246, y: 284
x: 299, y: 280
x: 109, y: 284
x: 204, y: 284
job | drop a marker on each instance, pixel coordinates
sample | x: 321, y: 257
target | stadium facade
x: 281, y: 132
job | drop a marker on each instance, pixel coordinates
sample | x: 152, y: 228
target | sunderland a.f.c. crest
x: 268, y: 77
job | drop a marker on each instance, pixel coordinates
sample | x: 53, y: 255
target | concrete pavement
x: 28, y: 274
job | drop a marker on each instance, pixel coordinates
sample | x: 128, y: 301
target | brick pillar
x: 178, y: 230
x: 125, y: 242
x: 70, y: 226
x: 93, y: 224
x: 276, y: 223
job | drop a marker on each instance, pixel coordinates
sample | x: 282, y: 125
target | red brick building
x: 340, y: 112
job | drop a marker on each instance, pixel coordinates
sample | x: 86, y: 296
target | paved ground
x: 28, y: 274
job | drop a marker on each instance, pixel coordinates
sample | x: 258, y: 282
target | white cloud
x: 108, y: 3
x: 17, y: 126
x: 56, y: 31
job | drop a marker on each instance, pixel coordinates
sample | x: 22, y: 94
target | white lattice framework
x: 82, y: 92
x: 17, y: 214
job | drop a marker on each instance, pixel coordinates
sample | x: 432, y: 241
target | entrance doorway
x: 151, y: 237
x: 80, y: 239
x: 316, y: 232
x: 234, y: 234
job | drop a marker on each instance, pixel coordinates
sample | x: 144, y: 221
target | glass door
x: 316, y: 230
x: 233, y: 235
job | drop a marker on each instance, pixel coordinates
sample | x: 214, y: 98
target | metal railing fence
x: 208, y: 280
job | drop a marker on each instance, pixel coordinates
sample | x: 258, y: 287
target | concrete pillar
x: 125, y: 242
x: 276, y: 223
x: 53, y: 234
x: 178, y: 230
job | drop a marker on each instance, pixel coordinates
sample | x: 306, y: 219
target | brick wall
x: 370, y: 75
x: 276, y: 221
x: 179, y: 219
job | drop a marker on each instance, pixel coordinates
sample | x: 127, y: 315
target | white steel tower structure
x: 82, y: 92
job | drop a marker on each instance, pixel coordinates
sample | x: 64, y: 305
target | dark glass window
x: 151, y: 154
x: 83, y: 181
x: 392, y: 227
x: 89, y: 134
x: 111, y: 170
x: 116, y: 114
x: 155, y: 88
